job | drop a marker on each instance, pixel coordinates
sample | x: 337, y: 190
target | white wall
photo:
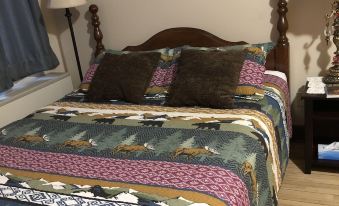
x: 51, y: 26
x: 131, y: 22
x: 60, y: 40
x: 310, y: 56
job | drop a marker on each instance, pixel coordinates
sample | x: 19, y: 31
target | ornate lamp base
x: 333, y: 75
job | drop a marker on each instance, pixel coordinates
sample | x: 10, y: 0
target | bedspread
x: 76, y: 153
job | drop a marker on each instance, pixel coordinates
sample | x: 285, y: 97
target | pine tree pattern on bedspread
x: 121, y: 154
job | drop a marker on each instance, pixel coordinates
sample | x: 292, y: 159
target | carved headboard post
x: 282, y: 48
x: 97, y: 32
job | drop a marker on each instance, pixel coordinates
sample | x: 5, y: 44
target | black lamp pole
x: 68, y: 14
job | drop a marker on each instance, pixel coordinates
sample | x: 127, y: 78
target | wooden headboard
x: 278, y: 58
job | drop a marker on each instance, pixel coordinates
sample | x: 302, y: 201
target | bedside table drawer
x: 326, y: 109
x: 327, y: 105
x: 321, y: 127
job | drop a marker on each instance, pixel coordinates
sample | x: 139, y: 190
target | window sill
x: 29, y: 85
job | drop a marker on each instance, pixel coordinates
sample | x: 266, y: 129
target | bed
x: 77, y: 152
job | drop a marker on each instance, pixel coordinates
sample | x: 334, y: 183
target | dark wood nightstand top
x: 314, y: 96
x: 305, y: 95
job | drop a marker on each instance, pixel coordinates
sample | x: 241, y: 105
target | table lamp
x: 66, y: 4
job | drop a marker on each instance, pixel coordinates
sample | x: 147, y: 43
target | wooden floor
x: 298, y: 189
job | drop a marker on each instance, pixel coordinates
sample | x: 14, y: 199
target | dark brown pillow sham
x: 206, y: 78
x: 123, y: 77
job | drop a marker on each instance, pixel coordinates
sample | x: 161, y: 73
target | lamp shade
x: 61, y: 4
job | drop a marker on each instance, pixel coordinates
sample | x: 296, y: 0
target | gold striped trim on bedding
x: 240, y: 90
x: 151, y: 108
x: 248, y: 90
x: 157, y: 90
x: 84, y: 86
x: 161, y: 191
x: 158, y: 108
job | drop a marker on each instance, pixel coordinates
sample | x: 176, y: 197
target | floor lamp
x: 66, y: 4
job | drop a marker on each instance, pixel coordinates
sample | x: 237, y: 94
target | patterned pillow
x: 90, y: 73
x: 164, y: 73
x: 253, y: 69
x: 158, y: 90
x: 252, y: 73
x: 84, y: 86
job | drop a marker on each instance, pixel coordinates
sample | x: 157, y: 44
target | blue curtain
x: 24, y: 43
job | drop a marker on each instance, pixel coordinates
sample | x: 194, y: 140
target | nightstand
x: 321, y: 126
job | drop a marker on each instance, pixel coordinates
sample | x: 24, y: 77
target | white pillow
x: 277, y: 73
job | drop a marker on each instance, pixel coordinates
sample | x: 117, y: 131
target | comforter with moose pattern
x: 76, y: 153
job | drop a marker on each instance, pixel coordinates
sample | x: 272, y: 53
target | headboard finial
x: 282, y: 22
x: 97, y: 32
x: 282, y: 49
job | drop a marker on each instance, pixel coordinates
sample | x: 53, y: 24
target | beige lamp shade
x: 61, y: 4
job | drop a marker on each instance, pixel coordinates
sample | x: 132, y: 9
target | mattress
x: 113, y: 153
